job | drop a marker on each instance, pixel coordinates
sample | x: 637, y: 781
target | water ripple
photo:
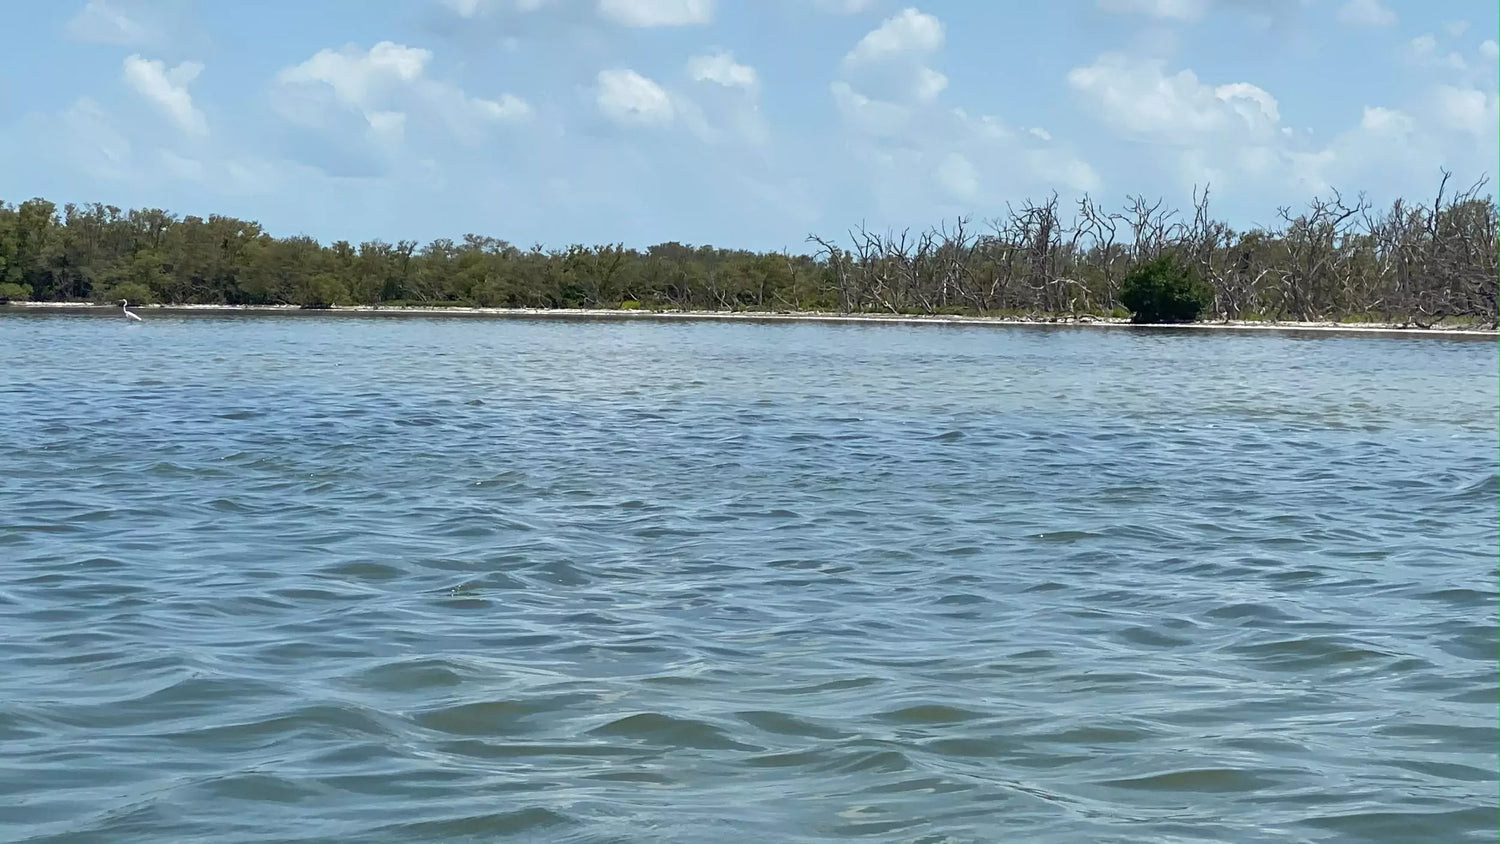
x: 460, y: 580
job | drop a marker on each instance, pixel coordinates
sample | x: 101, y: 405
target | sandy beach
x: 764, y: 316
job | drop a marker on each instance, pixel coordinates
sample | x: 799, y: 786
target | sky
x: 737, y: 123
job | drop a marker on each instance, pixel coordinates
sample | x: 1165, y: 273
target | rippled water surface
x: 398, y: 579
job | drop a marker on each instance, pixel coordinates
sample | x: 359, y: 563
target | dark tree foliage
x: 1414, y: 263
x: 1164, y: 290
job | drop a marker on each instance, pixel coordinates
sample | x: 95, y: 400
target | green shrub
x: 1164, y: 290
x: 630, y: 305
x: 14, y: 293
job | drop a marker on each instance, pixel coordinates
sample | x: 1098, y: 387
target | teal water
x: 346, y: 578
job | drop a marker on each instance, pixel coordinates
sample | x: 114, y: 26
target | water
x: 380, y: 579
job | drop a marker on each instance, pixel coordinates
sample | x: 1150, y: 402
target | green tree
x: 322, y: 290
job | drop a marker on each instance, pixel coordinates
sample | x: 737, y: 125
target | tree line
x: 1335, y: 258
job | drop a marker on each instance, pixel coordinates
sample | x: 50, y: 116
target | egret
x: 124, y: 306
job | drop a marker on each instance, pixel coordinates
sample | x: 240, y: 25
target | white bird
x: 124, y: 306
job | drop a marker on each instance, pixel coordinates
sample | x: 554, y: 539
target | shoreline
x: 766, y: 316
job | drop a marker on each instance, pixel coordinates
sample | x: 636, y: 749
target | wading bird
x: 124, y: 306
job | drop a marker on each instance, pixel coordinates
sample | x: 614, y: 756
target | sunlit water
x: 373, y: 579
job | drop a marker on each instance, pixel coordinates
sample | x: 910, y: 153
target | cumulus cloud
x: 1468, y: 110
x: 356, y: 77
x: 1366, y: 13
x: 465, y: 8
x: 908, y: 32
x: 914, y: 151
x: 1386, y: 121
x: 1232, y: 134
x: 957, y: 174
x: 1422, y: 45
x: 726, y: 104
x: 867, y: 115
x: 470, y: 9
x: 1423, y: 51
x: 157, y: 26
x: 917, y: 154
x: 929, y: 83
x: 630, y: 99
x: 108, y: 22
x: 1139, y: 98
x: 1225, y: 134
x: 1386, y: 141
x: 891, y: 60
x: 167, y: 90
x: 845, y: 7
x: 653, y: 13
x: 382, y: 85
x: 1170, y: 10
x: 1264, y: 13
x: 721, y: 69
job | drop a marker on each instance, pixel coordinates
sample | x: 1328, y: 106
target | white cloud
x: 167, y: 90
x: 729, y: 106
x: 1456, y: 28
x: 1489, y: 50
x: 109, y: 22
x: 1386, y: 121
x: 1173, y: 10
x: 869, y: 116
x: 1423, y: 45
x: 1468, y: 110
x: 1423, y: 50
x: 628, y: 98
x: 890, y: 60
x: 908, y: 32
x: 929, y: 83
x: 388, y: 126
x: 1228, y: 134
x: 722, y: 69
x: 382, y: 85
x: 845, y: 7
x: 1366, y: 13
x: 474, y: 8
x: 915, y: 154
x: 508, y: 107
x: 1232, y: 135
x: 1264, y: 13
x: 653, y: 13
x: 1141, y: 100
x: 146, y: 26
x: 355, y: 77
x: 1387, y: 142
x: 958, y: 175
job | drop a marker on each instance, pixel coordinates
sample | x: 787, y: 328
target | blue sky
x: 740, y: 123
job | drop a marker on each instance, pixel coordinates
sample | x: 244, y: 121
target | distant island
x: 1336, y: 260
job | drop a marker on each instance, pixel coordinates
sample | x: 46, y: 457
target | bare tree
x: 1336, y: 258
